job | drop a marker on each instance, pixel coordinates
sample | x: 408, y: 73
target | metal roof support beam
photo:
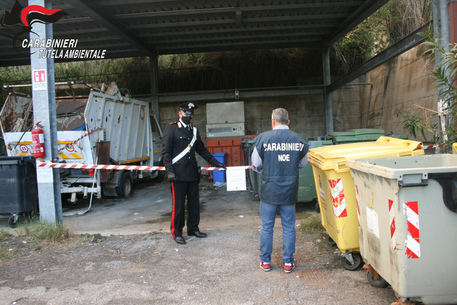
x: 44, y: 111
x: 328, y: 107
x: 357, y: 17
x: 400, y: 47
x: 243, y: 94
x: 154, y: 65
x: 91, y: 9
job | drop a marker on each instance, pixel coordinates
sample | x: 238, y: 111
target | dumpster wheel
x: 12, y: 221
x: 381, y: 283
x: 254, y: 196
x: 317, y: 208
x: 356, y: 264
x: 331, y: 242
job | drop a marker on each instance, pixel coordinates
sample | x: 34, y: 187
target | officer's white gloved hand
x: 172, y: 177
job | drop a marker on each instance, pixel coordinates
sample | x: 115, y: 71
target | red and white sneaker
x: 289, y: 267
x: 265, y: 266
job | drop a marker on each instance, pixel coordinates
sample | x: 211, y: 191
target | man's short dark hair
x: 280, y: 115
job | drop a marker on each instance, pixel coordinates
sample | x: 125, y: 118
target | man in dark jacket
x: 278, y: 154
x: 180, y: 142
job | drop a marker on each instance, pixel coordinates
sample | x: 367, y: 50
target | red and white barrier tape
x: 79, y: 139
x: 76, y: 141
x: 118, y: 167
x: 433, y: 146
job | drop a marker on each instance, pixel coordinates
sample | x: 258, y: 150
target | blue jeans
x: 268, y: 214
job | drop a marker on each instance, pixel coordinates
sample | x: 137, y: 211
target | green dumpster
x: 306, y: 184
x: 355, y: 135
x: 252, y: 177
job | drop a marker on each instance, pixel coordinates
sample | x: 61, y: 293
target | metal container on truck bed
x: 104, y: 126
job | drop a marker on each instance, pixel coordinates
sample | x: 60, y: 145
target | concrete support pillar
x: 44, y: 111
x: 327, y: 95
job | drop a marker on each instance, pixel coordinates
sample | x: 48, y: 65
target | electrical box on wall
x: 225, y: 119
x: 224, y: 130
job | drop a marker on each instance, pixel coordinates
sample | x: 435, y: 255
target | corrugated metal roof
x: 129, y: 28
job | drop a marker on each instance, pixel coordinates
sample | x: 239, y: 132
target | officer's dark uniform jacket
x: 281, y: 151
x: 175, y: 139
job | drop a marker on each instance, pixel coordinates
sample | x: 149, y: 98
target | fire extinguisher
x: 38, y: 141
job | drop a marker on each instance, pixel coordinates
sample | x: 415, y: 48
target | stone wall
x: 403, y: 85
x: 306, y: 114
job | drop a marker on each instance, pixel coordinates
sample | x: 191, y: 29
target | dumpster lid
x: 319, y: 143
x: 415, y: 172
x: 355, y: 135
x: 398, y: 168
x: 219, y: 154
x: 339, y: 133
x: 335, y: 156
x: 16, y: 160
x: 368, y: 131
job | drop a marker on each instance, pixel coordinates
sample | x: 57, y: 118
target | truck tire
x: 124, y: 189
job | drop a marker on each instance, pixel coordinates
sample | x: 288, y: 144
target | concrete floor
x: 148, y: 210
x: 224, y: 265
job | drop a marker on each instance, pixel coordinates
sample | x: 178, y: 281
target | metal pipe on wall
x: 328, y: 106
x: 441, y: 25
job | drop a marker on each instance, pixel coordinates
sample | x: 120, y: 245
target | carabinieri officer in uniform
x: 180, y: 142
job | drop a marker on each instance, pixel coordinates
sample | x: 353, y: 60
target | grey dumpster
x: 407, y: 224
x: 18, y: 187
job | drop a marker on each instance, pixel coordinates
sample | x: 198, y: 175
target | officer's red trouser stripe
x: 172, y: 227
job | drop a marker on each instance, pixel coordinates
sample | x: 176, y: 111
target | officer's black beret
x: 188, y: 107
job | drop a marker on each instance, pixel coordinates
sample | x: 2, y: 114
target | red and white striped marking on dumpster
x: 117, y: 167
x: 337, y: 194
x: 357, y: 203
x: 412, y: 238
x: 392, y: 225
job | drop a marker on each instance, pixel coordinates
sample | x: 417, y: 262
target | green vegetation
x: 41, y: 231
x: 440, y: 124
x: 389, y: 24
x: 33, y: 235
x: 5, y: 252
x: 415, y: 126
x: 310, y: 223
